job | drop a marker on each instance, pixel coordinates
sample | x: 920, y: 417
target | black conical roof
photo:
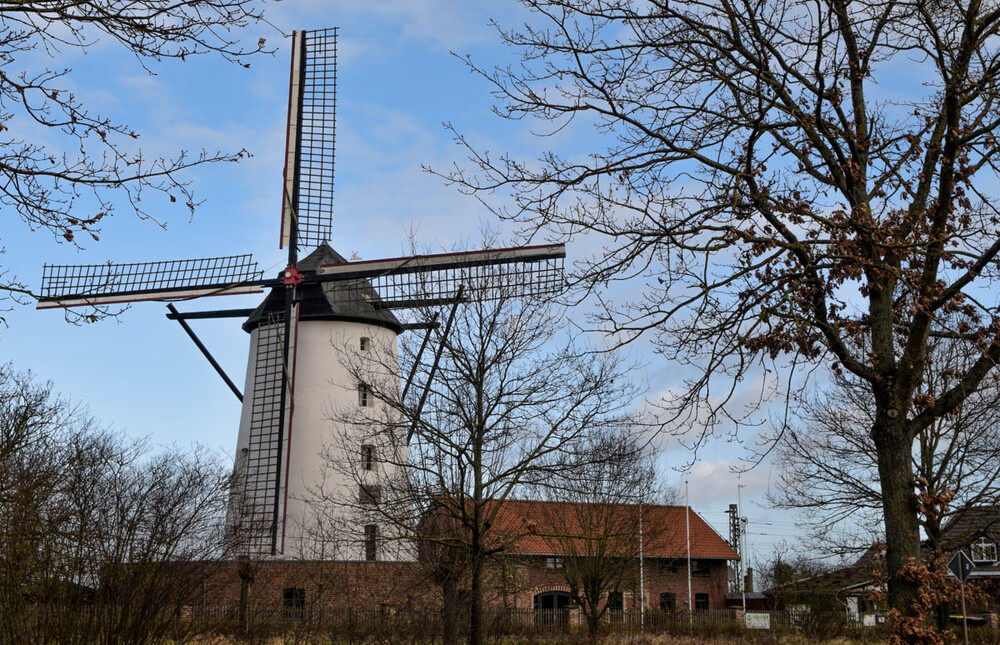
x: 350, y: 300
x: 324, y: 254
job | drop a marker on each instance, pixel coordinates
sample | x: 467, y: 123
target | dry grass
x: 755, y: 639
x: 571, y: 639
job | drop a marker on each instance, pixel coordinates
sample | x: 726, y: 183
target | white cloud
x: 714, y: 483
x: 372, y: 29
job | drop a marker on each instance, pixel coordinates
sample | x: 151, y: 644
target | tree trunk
x: 476, y: 601
x: 245, y: 570
x: 942, y: 616
x: 893, y: 444
x: 242, y: 613
x: 932, y: 528
x: 449, y: 611
x: 593, y: 624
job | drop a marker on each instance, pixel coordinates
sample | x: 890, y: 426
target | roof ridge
x: 546, y: 501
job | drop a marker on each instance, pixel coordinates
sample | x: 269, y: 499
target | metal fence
x: 428, y: 625
x: 82, y: 624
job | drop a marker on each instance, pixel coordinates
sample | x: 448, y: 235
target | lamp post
x: 642, y: 582
x: 743, y: 553
x: 687, y: 531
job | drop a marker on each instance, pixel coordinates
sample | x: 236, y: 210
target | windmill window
x: 365, y: 343
x: 984, y: 550
x: 364, y: 395
x: 371, y: 542
x: 369, y: 495
x: 367, y: 457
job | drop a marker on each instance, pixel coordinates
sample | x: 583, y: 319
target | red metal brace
x: 291, y: 277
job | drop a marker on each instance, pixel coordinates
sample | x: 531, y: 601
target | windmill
x: 290, y: 362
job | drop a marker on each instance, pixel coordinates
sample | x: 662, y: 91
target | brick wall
x: 658, y: 577
x: 408, y: 585
x: 329, y: 584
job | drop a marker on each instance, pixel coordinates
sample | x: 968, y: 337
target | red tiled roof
x: 553, y: 528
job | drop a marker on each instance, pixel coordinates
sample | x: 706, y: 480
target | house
x: 849, y: 589
x: 974, y: 531
x: 550, y: 542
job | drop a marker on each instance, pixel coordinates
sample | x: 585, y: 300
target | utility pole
x: 742, y: 551
x: 642, y: 588
x: 687, y: 530
x: 735, y: 585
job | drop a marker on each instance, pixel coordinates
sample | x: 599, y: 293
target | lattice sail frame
x: 261, y: 477
x: 433, y: 279
x: 307, y: 202
x: 68, y: 285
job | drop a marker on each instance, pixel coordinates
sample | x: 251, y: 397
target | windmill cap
x: 346, y: 300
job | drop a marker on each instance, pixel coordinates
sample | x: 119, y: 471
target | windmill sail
x: 307, y: 202
x: 424, y: 280
x: 260, y: 484
x: 75, y: 285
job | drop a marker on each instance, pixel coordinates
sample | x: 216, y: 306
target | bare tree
x: 68, y: 179
x: 596, y: 521
x: 34, y: 423
x: 511, y: 396
x: 101, y: 539
x: 145, y: 528
x: 780, y: 207
x: 784, y: 565
x: 829, y: 467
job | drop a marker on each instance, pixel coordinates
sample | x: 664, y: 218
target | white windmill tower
x: 295, y: 374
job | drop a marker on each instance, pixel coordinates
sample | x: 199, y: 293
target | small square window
x: 668, y: 602
x: 983, y: 550
x: 554, y: 563
x: 364, y: 395
x: 371, y: 542
x: 365, y: 343
x: 369, y: 495
x: 701, y: 602
x: 367, y: 457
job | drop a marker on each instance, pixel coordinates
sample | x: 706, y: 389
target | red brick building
x: 542, y: 541
x: 550, y: 534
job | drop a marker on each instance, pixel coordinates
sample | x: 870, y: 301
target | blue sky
x: 398, y: 82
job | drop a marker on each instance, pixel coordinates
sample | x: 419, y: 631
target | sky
x: 401, y: 78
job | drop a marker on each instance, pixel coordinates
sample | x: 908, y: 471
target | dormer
x: 983, y: 550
